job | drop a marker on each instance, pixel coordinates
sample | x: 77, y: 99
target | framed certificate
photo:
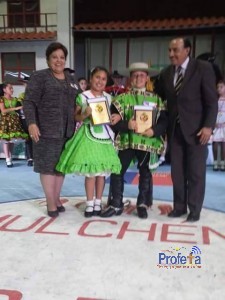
x: 145, y: 117
x: 100, y: 110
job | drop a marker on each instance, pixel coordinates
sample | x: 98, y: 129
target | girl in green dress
x: 90, y: 152
x: 10, y: 125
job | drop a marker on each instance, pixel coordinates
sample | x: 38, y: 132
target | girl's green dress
x: 90, y: 152
x: 10, y: 124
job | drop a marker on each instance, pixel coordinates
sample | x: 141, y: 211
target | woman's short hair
x: 53, y: 47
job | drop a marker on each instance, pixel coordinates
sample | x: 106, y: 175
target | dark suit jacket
x: 197, y: 101
x: 48, y: 103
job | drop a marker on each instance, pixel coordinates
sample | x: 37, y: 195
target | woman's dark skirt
x: 46, y: 155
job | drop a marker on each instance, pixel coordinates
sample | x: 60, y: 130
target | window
x: 17, y: 65
x: 23, y: 13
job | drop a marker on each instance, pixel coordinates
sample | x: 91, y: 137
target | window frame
x: 18, y: 69
x: 20, y: 19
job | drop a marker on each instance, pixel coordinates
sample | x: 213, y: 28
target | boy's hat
x: 141, y: 66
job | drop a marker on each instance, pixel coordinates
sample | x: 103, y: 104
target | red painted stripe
x: 159, y: 178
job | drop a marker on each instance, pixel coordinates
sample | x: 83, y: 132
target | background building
x: 104, y: 32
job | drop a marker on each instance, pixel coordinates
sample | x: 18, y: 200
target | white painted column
x: 64, y: 28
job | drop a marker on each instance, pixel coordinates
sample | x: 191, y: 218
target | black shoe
x: 9, y: 164
x: 193, y: 217
x: 53, y: 213
x: 97, y: 212
x: 111, y: 211
x: 61, y: 208
x: 142, y: 212
x: 30, y: 163
x: 88, y: 214
x: 176, y: 213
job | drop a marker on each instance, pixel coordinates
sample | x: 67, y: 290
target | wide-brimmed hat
x: 142, y: 66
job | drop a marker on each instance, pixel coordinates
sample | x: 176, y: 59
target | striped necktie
x: 179, y: 80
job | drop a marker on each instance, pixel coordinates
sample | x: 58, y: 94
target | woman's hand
x: 34, y: 132
x: 115, y: 118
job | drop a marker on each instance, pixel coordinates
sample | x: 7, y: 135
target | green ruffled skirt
x: 86, y: 155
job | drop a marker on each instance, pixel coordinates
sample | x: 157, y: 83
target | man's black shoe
x: 176, y: 213
x: 111, y: 211
x: 142, y: 212
x: 193, y: 217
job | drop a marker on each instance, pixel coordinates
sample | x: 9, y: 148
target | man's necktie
x: 179, y: 80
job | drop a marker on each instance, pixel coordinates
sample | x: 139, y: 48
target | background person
x: 28, y: 141
x: 218, y: 137
x: 10, y: 126
x: 115, y: 85
x: 49, y: 107
x: 189, y: 87
x: 83, y: 83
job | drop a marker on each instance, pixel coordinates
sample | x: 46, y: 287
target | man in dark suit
x: 189, y: 88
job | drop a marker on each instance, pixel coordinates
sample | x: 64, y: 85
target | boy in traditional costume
x: 144, y: 147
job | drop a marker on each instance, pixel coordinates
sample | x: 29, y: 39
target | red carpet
x: 159, y: 178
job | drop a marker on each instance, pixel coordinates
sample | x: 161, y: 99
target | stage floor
x: 71, y: 257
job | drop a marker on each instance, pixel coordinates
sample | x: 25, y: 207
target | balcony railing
x: 32, y: 22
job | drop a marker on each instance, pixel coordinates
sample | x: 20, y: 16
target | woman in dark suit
x: 189, y: 87
x: 49, y: 107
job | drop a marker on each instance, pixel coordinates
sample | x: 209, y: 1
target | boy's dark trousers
x: 145, y: 178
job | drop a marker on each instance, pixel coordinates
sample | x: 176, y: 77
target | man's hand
x: 204, y: 135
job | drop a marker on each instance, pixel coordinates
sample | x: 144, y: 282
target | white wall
x: 65, y: 23
x: 49, y: 6
x: 3, y: 10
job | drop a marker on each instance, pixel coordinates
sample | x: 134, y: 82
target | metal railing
x: 30, y: 22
